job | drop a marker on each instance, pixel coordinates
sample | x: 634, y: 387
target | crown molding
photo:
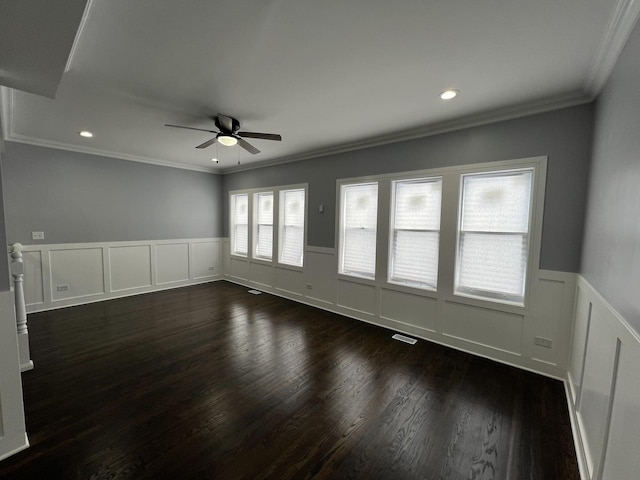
x: 6, y: 121
x: 623, y: 20
x: 494, y: 116
x: 106, y: 153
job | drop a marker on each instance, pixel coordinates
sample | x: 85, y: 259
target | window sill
x: 490, y: 303
x: 286, y: 266
x: 401, y: 287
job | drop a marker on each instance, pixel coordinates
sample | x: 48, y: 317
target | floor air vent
x: 404, y: 339
x: 255, y: 292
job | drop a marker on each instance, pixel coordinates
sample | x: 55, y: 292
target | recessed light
x: 449, y: 94
x: 86, y: 134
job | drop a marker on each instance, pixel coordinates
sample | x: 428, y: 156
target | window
x: 239, y: 224
x: 415, y: 232
x: 493, y: 235
x: 358, y: 223
x: 263, y: 225
x: 291, y: 233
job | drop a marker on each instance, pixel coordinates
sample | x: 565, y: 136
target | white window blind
x: 239, y: 224
x: 263, y: 204
x: 415, y: 232
x: 292, y: 213
x: 358, y: 229
x: 494, y: 235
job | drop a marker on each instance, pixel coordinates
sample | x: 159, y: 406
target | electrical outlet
x: 211, y: 268
x: 37, y: 235
x: 62, y: 288
x: 309, y: 286
x: 543, y: 342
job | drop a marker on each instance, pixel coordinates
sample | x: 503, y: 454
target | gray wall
x: 611, y: 260
x: 4, y: 261
x: 76, y: 198
x: 564, y: 136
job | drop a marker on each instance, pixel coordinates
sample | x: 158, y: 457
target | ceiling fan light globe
x: 227, y: 140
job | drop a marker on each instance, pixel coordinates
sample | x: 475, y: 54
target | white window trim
x: 281, y: 226
x: 483, y: 294
x: 340, y: 229
x: 448, y: 229
x: 251, y: 192
x: 232, y: 211
x: 254, y: 224
x: 392, y: 213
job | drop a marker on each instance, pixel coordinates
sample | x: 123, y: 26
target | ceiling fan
x: 230, y: 134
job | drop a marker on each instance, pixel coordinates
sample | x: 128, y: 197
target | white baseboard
x: 578, y: 442
x: 16, y: 444
x: 499, y: 332
x: 503, y: 334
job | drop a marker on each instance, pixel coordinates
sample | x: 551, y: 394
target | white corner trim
x: 623, y: 19
x: 578, y: 441
x: 593, y: 462
x: 621, y: 327
x: 6, y: 111
x: 83, y: 22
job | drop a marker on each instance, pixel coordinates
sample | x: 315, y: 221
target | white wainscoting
x: 13, y: 436
x: 130, y: 267
x: 603, y: 386
x: 492, y: 330
x: 71, y: 274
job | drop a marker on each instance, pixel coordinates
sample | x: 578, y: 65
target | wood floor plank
x: 210, y: 382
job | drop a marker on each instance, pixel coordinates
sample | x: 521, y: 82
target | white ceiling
x: 327, y: 75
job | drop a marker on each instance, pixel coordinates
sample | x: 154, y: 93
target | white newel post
x: 17, y: 271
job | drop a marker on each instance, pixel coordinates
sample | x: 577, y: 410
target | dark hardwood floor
x: 213, y: 382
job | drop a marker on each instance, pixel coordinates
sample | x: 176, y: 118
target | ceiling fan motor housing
x: 227, y: 125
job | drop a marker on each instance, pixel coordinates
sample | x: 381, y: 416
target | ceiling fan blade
x: 247, y: 146
x: 225, y: 122
x: 263, y: 136
x: 189, y: 128
x: 207, y: 143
